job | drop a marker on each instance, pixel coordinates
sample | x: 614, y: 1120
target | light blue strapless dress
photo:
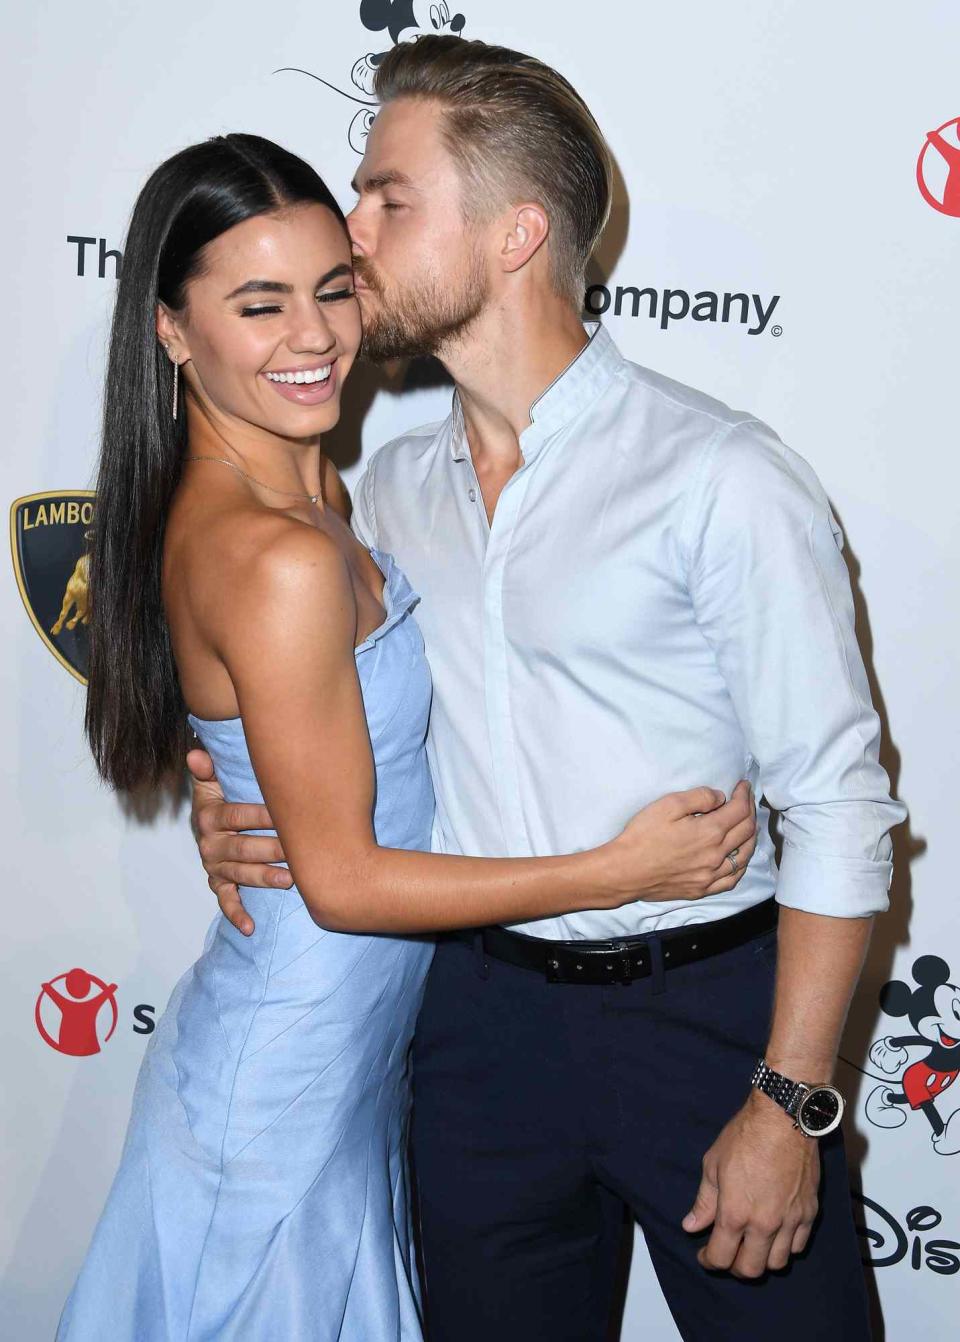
x: 262, y: 1194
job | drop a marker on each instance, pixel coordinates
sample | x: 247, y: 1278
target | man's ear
x: 170, y: 334
x: 527, y: 230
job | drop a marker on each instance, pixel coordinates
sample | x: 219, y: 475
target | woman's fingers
x: 743, y: 836
x: 694, y: 802
x: 743, y: 843
x: 728, y: 879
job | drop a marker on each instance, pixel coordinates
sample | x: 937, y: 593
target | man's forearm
x: 819, y: 961
x: 759, y: 1186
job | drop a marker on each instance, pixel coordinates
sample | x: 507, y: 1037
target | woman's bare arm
x: 303, y: 714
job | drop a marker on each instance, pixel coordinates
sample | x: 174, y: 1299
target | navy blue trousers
x: 542, y: 1110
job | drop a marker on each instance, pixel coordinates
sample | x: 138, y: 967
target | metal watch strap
x: 780, y: 1089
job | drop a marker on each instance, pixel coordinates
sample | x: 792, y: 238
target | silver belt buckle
x: 572, y: 966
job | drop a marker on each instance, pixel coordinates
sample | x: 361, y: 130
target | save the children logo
x: 49, y: 540
x: 76, y: 1012
x: 938, y: 168
x: 401, y: 21
x: 917, y: 1069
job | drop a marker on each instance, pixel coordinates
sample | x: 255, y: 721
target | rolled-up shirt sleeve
x: 772, y: 595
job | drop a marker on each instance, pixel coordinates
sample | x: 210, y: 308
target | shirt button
x: 473, y: 496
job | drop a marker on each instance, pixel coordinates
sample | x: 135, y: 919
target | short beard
x: 424, y: 318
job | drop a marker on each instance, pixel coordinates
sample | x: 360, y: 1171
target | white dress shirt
x: 660, y: 602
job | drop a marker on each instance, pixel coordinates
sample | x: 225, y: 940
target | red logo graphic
x: 938, y: 168
x: 80, y: 1005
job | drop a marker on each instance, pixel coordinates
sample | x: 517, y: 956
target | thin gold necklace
x: 291, y: 493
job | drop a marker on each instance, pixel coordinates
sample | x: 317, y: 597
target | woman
x: 261, y: 1194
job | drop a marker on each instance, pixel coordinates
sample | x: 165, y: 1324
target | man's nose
x: 357, y: 232
x: 457, y: 23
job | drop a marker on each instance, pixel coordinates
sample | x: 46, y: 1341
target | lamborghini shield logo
x: 50, y: 538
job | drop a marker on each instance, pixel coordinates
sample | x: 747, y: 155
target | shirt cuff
x: 840, y: 887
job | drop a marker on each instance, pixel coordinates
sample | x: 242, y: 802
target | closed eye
x: 266, y: 309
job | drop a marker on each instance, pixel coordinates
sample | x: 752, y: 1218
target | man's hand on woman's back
x: 230, y: 857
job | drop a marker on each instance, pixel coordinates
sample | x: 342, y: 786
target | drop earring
x: 176, y: 377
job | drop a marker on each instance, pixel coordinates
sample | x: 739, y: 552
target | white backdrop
x: 768, y: 150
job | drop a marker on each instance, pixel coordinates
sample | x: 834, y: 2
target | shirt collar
x: 580, y: 383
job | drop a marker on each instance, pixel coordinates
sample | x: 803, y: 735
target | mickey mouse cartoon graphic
x: 404, y: 21
x: 933, y: 1008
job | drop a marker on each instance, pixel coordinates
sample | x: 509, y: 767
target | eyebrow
x: 378, y: 180
x: 275, y: 286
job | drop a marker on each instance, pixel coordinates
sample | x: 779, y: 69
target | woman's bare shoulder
x: 269, y: 553
x: 294, y: 589
x: 286, y: 552
x: 245, y: 560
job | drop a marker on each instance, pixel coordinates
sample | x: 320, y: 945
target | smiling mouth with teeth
x: 302, y: 375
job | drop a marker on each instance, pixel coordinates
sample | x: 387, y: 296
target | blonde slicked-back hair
x: 518, y: 131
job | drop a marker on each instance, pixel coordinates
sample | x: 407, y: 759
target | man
x: 626, y: 588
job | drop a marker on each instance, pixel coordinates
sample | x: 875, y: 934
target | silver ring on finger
x: 732, y: 859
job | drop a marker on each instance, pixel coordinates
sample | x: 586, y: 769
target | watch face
x: 820, y: 1110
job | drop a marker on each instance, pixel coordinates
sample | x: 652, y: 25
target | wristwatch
x: 815, y: 1109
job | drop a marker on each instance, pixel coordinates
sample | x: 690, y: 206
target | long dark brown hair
x: 135, y: 714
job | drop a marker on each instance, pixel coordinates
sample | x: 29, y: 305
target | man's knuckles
x: 705, y: 1203
x: 203, y: 818
x: 247, y: 849
x: 748, y: 1271
x: 234, y: 817
x: 717, y: 1258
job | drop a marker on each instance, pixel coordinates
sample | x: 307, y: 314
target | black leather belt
x: 598, y: 962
